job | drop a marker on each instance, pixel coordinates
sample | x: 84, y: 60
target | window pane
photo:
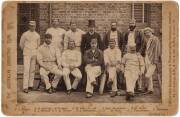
x: 146, y: 12
x: 138, y: 12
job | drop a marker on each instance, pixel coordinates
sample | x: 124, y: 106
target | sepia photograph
x: 89, y: 52
x: 71, y: 56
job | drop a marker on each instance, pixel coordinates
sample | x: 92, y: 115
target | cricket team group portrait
x: 117, y: 56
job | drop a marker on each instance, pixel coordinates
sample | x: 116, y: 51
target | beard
x: 113, y: 29
x: 132, y: 28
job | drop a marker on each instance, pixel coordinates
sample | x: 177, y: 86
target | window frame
x: 143, y: 13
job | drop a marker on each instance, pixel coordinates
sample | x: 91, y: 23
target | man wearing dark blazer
x: 115, y: 35
x: 94, y: 60
x: 132, y: 36
x: 86, y: 38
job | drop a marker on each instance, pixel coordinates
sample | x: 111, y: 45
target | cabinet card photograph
x: 90, y: 58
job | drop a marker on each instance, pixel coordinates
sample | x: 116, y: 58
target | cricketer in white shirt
x: 57, y: 36
x: 71, y: 60
x: 112, y: 59
x: 73, y: 35
x: 29, y: 42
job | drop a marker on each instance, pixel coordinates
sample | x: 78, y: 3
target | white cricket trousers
x: 113, y: 76
x: 92, y: 73
x: 150, y: 68
x: 44, y: 75
x: 29, y: 70
x: 76, y: 73
x: 131, y: 77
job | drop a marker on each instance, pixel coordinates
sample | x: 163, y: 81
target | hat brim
x: 32, y: 24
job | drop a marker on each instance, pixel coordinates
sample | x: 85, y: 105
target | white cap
x: 33, y: 23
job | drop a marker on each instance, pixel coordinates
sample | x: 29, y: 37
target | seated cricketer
x: 49, y: 59
x: 93, y: 59
x: 71, y: 60
x: 133, y: 69
x: 112, y: 60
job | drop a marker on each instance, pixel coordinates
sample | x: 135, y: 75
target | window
x: 140, y: 12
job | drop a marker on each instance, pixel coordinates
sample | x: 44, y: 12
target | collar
x: 112, y: 49
x: 91, y: 33
x: 31, y: 31
x: 92, y: 49
x: 55, y: 27
x: 74, y: 31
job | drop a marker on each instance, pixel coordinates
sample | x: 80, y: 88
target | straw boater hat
x: 148, y: 29
x: 32, y: 23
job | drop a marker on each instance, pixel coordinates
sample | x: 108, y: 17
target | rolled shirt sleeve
x: 66, y: 39
x: 22, y: 40
x: 58, y: 56
x: 106, y: 58
x: 39, y: 57
x: 39, y: 41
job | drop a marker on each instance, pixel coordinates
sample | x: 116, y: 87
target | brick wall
x: 43, y: 18
x: 103, y: 13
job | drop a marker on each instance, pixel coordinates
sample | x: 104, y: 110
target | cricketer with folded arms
x: 71, y: 60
